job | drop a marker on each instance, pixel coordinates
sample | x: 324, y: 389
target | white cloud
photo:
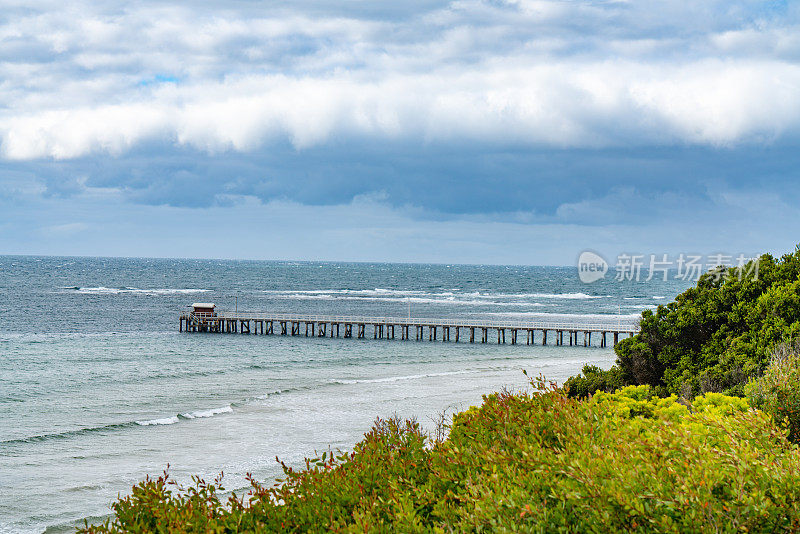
x: 72, y: 133
x: 530, y: 72
x: 723, y: 103
x: 567, y: 104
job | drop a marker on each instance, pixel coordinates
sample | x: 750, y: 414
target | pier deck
x: 404, y: 328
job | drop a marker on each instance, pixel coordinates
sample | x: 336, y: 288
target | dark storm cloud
x: 542, y: 185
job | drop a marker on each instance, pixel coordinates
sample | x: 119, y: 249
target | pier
x: 406, y: 328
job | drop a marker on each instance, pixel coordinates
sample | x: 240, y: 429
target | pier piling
x: 384, y: 327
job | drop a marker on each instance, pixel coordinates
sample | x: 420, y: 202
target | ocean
x: 99, y: 389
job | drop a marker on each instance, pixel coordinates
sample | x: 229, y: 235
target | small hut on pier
x: 204, y: 309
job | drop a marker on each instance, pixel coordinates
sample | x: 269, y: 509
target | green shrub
x: 543, y: 462
x: 777, y: 392
x: 713, y: 337
x: 593, y: 379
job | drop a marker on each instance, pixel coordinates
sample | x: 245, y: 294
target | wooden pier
x: 406, y: 328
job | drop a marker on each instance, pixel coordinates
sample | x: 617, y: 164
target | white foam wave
x: 567, y: 296
x: 378, y: 291
x: 570, y: 296
x: 189, y: 415
x: 101, y: 290
x: 600, y: 317
x: 170, y: 291
x: 399, y: 378
x: 208, y: 413
x: 453, y: 295
x: 308, y: 297
x: 442, y: 299
x: 163, y: 421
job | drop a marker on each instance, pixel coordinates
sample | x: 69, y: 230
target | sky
x: 472, y: 131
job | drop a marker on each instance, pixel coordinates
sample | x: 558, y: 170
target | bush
x: 541, y: 462
x: 593, y: 379
x: 777, y: 392
x: 713, y: 337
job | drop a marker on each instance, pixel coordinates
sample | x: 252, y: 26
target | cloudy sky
x: 472, y: 131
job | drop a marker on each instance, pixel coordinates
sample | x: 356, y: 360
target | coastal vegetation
x: 695, y: 429
x: 537, y: 461
x: 777, y: 391
x: 714, y: 337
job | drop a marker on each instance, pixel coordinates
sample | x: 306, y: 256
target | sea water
x: 99, y: 389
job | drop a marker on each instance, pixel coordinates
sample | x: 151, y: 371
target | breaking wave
x: 102, y: 290
x: 169, y: 420
x: 448, y: 297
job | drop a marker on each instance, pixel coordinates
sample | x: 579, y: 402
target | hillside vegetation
x: 714, y: 337
x: 533, y: 462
